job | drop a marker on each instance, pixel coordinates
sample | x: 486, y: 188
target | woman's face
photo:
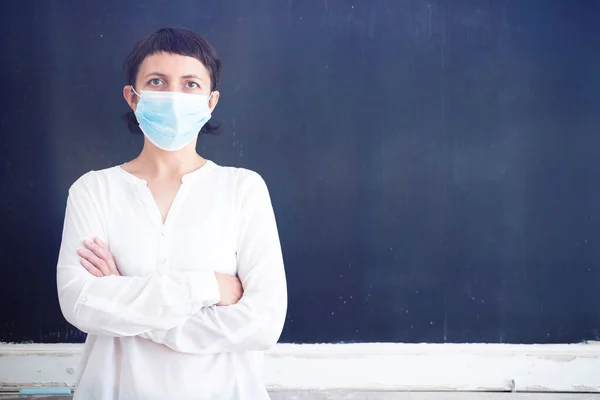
x: 171, y: 73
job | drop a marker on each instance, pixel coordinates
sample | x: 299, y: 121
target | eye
x: 155, y: 82
x: 191, y: 85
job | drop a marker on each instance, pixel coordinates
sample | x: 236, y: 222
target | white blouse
x: 155, y: 332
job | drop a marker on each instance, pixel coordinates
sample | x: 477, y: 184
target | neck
x: 160, y: 163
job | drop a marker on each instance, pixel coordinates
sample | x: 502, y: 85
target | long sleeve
x: 256, y: 321
x: 120, y: 305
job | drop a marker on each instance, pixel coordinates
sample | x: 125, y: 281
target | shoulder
x: 94, y: 181
x: 246, y: 185
x: 241, y: 179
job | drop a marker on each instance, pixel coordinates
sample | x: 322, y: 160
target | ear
x: 214, y: 99
x: 130, y: 97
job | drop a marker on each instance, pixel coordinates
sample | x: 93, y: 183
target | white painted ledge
x: 372, y: 366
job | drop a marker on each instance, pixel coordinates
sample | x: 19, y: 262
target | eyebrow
x: 157, y: 74
x: 192, y: 76
x: 164, y: 76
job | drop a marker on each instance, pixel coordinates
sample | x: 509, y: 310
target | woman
x: 170, y: 263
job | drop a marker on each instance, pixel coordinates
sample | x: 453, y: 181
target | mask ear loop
x: 208, y: 100
x: 132, y: 88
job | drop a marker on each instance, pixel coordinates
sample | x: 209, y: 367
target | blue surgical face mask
x: 171, y: 120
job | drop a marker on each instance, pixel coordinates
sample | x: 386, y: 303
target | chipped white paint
x: 374, y: 366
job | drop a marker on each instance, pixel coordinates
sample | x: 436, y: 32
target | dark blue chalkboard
x: 434, y: 164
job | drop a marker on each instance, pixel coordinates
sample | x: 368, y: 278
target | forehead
x: 174, y: 65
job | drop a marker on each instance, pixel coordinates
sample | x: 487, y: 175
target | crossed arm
x: 176, y: 309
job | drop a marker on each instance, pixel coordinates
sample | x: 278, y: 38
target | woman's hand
x: 97, y: 259
x: 230, y: 288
